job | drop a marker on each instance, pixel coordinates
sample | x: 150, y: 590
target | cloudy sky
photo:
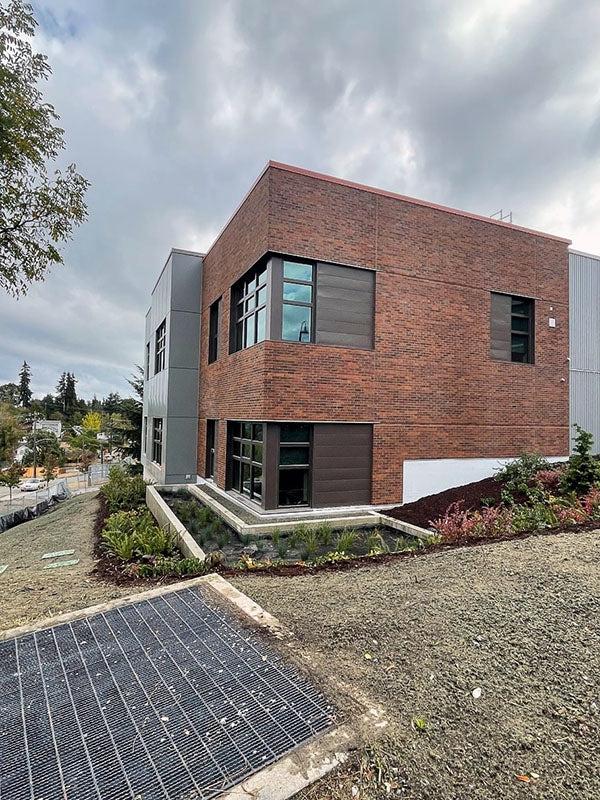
x: 171, y: 109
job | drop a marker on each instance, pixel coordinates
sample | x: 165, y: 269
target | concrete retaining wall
x: 167, y: 519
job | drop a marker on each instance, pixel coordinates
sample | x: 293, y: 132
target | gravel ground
x: 27, y: 591
x: 517, y: 620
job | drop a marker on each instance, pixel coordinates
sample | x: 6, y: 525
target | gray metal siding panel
x: 345, y: 307
x: 584, y: 343
x: 341, y: 464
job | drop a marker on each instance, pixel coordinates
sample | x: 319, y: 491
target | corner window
x: 147, y: 364
x: 161, y: 347
x: 298, y: 298
x: 247, y: 458
x: 512, y: 328
x: 213, y: 331
x: 294, y: 464
x: 157, y: 440
x: 249, y: 309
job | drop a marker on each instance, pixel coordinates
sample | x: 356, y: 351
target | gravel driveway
x: 517, y: 620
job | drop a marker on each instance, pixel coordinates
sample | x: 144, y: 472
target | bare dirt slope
x: 519, y: 620
x: 28, y: 591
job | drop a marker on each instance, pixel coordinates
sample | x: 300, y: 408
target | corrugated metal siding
x: 584, y: 343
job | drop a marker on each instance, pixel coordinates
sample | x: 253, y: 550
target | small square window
x: 297, y: 272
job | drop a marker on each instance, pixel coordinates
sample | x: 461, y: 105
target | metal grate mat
x: 167, y: 698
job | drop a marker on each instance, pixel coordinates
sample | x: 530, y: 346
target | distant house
x: 51, y: 425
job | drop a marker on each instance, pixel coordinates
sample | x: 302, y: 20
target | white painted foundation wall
x: 422, y: 477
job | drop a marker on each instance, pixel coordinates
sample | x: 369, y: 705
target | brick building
x: 340, y: 345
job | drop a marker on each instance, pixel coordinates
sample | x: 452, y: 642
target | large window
x: 145, y: 435
x: 211, y: 438
x: 512, y: 328
x: 294, y: 464
x: 147, y: 365
x: 298, y: 298
x: 161, y: 347
x: 247, y: 458
x: 213, y: 331
x: 249, y: 308
x: 157, y: 440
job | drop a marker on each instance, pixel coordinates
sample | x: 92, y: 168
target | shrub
x: 123, y: 493
x: 346, y: 541
x: 549, y: 480
x: 582, y: 470
x: 591, y: 503
x: 172, y: 567
x: 534, y: 516
x: 518, y: 475
x: 131, y: 533
x: 458, y: 525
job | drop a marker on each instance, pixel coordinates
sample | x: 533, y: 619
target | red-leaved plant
x: 458, y: 525
x: 549, y: 479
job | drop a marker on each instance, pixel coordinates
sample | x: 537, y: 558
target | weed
x: 419, y: 724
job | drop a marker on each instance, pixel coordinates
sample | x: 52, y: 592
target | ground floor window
x: 157, y: 439
x: 294, y: 464
x: 211, y: 437
x: 247, y: 458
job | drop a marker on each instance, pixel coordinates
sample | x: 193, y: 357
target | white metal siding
x: 584, y: 343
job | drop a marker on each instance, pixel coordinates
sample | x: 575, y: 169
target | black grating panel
x: 165, y: 698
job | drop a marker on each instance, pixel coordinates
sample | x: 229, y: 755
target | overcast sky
x: 171, y: 110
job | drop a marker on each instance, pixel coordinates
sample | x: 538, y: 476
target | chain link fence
x: 64, y: 486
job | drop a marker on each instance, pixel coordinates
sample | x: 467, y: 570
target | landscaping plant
x: 583, y: 470
x: 518, y: 475
x: 134, y: 533
x: 123, y: 493
x: 346, y: 541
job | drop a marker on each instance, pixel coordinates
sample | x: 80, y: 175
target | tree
x: 38, y: 210
x: 583, y: 470
x: 25, y: 392
x: 112, y: 403
x: 92, y: 422
x: 42, y: 443
x: 10, y: 477
x: 70, y: 398
x: 136, y: 381
x: 50, y: 467
x: 10, y: 432
x: 9, y: 393
x: 60, y: 390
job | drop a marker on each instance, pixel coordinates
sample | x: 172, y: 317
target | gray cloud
x: 171, y: 110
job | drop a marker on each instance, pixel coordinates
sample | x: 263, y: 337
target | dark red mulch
x: 427, y: 509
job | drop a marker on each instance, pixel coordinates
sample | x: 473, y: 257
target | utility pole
x: 34, y: 444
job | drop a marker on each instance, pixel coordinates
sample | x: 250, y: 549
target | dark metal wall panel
x: 500, y: 326
x: 345, y: 308
x: 341, y: 464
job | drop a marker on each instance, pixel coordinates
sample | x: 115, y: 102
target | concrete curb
x: 406, y: 527
x: 167, y: 519
x: 367, y: 520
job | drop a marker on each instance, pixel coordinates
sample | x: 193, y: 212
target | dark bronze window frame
x: 529, y: 316
x: 160, y: 347
x: 283, y: 445
x: 157, y: 440
x: 147, y: 364
x: 239, y: 441
x: 245, y: 305
x: 214, y: 323
x: 296, y: 281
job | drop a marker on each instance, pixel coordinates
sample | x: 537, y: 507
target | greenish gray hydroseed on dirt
x: 56, y: 564
x: 27, y: 592
x: 519, y: 620
x: 58, y: 553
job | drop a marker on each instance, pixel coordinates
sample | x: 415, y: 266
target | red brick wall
x: 429, y: 385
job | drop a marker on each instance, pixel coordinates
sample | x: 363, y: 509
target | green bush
x: 123, y: 493
x: 583, y: 470
x: 517, y: 476
x: 134, y: 533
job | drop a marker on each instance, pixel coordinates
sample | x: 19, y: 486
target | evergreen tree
x: 25, y: 392
x: 70, y: 393
x: 60, y: 391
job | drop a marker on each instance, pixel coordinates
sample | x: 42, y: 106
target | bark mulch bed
x: 427, y: 509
